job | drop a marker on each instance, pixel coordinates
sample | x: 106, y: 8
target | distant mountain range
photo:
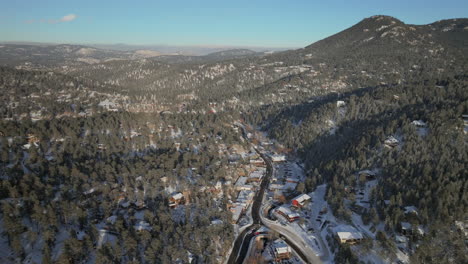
x: 46, y: 55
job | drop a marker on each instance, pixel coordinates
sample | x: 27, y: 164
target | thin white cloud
x: 67, y: 18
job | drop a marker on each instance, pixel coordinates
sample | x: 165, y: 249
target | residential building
x: 241, y: 184
x: 286, y: 213
x: 282, y: 250
x: 176, y: 199
x: 347, y: 234
x: 301, y: 200
x: 278, y: 158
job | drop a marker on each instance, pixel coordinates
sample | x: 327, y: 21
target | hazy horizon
x: 269, y: 24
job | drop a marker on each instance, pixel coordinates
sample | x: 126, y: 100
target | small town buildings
x: 286, y: 213
x: 301, y: 200
x: 282, y: 250
x: 176, y: 199
x: 347, y: 234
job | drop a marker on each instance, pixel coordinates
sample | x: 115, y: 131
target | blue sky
x: 265, y: 23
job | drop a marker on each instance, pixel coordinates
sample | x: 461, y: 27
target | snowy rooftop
x: 177, y: 196
x: 236, y: 212
x: 405, y: 225
x: 349, y: 235
x: 142, y: 225
x: 241, y: 181
x: 216, y: 222
x: 369, y: 172
x: 302, y: 198
x: 256, y: 174
x: 346, y: 232
x: 418, y: 123
x: 281, y: 247
x: 245, y: 195
x: 411, y: 209
x: 287, y: 212
x: 401, y: 239
x: 391, y: 140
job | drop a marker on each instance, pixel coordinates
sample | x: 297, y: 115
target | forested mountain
x: 93, y: 142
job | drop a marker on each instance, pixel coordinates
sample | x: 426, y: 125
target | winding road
x: 242, y: 242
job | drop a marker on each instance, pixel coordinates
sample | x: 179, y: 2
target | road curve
x: 241, y: 245
x: 240, y: 248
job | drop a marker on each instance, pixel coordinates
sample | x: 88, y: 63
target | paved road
x: 294, y: 241
x: 241, y: 245
x: 242, y: 242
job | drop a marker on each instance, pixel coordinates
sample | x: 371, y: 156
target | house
x: 176, y: 199
x: 276, y: 186
x: 300, y: 200
x: 406, y: 228
x: 142, y: 225
x: 241, y: 184
x: 282, y: 250
x: 411, y: 210
x: 286, y: 213
x: 465, y: 122
x: 278, y: 158
x: 367, y: 174
x: 245, y: 197
x: 340, y: 103
x: 391, y: 142
x: 32, y: 139
x: 237, y: 210
x: 257, y: 162
x: 256, y: 176
x: 101, y: 147
x: 419, y: 123
x: 346, y: 234
x: 401, y: 239
x: 108, y: 105
x: 216, y: 222
x: 462, y: 227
